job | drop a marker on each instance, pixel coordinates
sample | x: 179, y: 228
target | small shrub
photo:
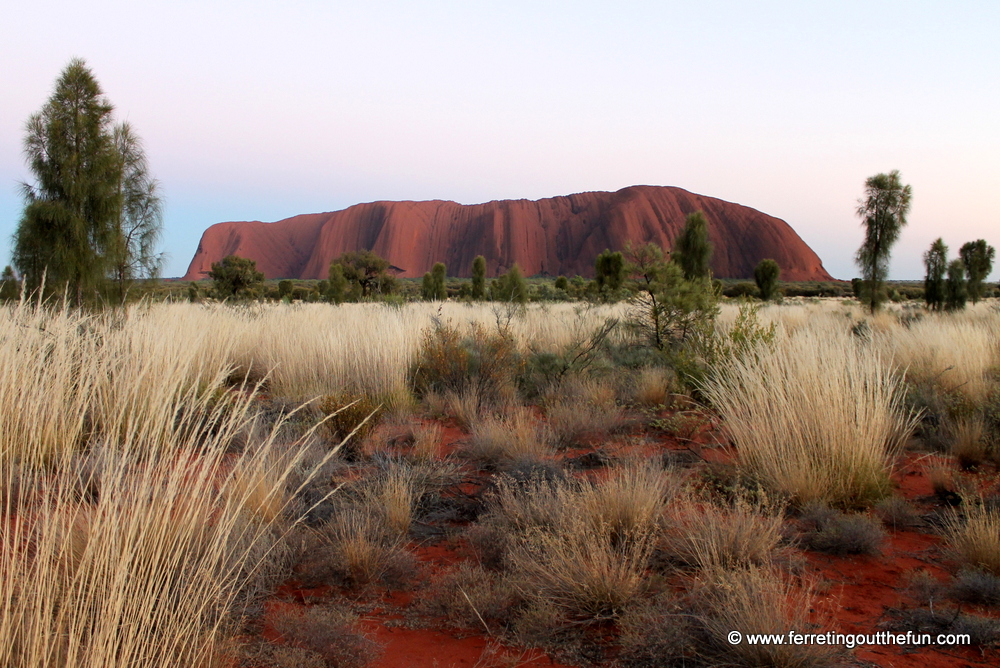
x: 443, y: 361
x: 326, y: 636
x: 981, y: 630
x: 923, y: 587
x: 580, y: 407
x: 834, y: 532
x: 976, y: 586
x: 682, y: 425
x: 897, y: 513
x: 484, y: 363
x: 349, y: 414
x: 473, y: 597
x: 656, y: 633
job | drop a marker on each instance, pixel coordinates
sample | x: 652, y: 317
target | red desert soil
x: 558, y: 235
x: 855, y: 592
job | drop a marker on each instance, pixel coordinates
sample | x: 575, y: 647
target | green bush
x: 235, y: 276
x: 347, y: 413
x: 483, y: 362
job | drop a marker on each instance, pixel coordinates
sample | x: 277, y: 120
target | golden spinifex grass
x: 760, y: 600
x: 309, y: 350
x: 817, y: 416
x: 132, y: 532
x: 580, y: 545
x: 956, y: 352
x: 715, y: 538
x: 975, y: 538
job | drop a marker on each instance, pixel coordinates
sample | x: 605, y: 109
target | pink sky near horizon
x: 264, y: 110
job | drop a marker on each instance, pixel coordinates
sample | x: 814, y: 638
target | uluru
x: 553, y: 236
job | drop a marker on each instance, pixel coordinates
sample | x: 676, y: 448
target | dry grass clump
x: 356, y: 548
x: 583, y: 571
x: 395, y: 495
x: 758, y: 600
x: 578, y: 545
x: 579, y: 407
x: 713, y: 537
x: 967, y: 442
x: 654, y: 386
x: 975, y: 538
x: 77, y: 572
x: 818, y: 418
x: 516, y: 436
x: 463, y: 407
x: 320, y: 637
x: 426, y: 441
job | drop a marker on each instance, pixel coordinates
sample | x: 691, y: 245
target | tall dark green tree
x: 883, y: 211
x: 479, y: 277
x: 427, y: 287
x: 955, y: 286
x: 666, y: 308
x: 438, y: 273
x: 936, y: 264
x: 94, y: 211
x: 10, y: 287
x: 140, y: 219
x: 337, y: 286
x: 978, y: 258
x: 68, y: 231
x: 766, y: 275
x: 510, y: 287
x: 609, y: 272
x: 693, y: 250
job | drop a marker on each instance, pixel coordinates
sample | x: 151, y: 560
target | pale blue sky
x: 263, y: 110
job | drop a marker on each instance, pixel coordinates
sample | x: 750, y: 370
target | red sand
x: 855, y: 592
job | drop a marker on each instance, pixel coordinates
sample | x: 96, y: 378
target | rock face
x: 558, y: 235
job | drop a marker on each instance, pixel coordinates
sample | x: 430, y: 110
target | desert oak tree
x: 93, y: 212
x: 883, y: 211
